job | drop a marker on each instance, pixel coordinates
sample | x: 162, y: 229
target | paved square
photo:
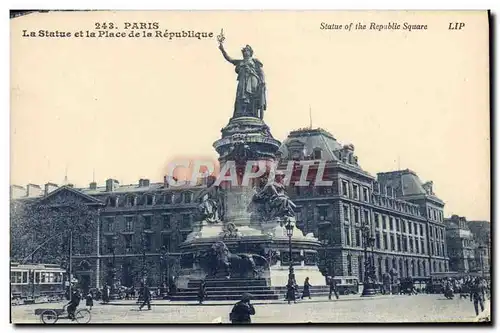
x: 419, y: 308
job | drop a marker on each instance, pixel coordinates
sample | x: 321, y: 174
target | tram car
x: 29, y: 282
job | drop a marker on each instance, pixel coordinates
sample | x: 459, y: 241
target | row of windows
x: 395, y: 224
x: 434, y: 214
x: 467, y: 243
x: 131, y: 200
x: 355, y: 193
x: 404, y: 267
x: 356, y: 215
x: 383, y: 221
x: 436, y: 232
x: 40, y: 277
x: 110, y: 224
x: 395, y: 204
x: 144, y: 242
x: 386, y: 241
x: 362, y: 193
x: 438, y: 249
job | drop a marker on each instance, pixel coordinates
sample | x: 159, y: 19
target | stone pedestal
x: 243, y: 231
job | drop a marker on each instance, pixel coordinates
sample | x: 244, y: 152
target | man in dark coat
x: 477, y: 295
x: 202, y: 292
x: 291, y: 289
x: 333, y: 288
x: 73, y: 304
x: 307, y: 291
x: 146, y: 297
x: 242, y: 311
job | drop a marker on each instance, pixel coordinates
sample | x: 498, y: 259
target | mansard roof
x: 308, y: 140
x: 406, y: 183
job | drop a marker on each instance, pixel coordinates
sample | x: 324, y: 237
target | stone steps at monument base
x: 230, y: 288
x: 217, y: 297
x: 229, y: 283
x: 222, y: 292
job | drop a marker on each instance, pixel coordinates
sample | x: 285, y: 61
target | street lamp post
x: 289, y: 233
x: 164, y: 274
x: 369, y: 276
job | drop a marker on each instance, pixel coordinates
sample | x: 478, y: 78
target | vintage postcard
x: 250, y: 167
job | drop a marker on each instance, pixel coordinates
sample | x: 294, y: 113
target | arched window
x: 84, y: 265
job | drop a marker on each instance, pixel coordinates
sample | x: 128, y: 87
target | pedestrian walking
x: 333, y: 288
x: 89, y: 301
x: 477, y: 295
x: 202, y: 292
x: 241, y: 312
x: 146, y: 297
x: 306, y: 292
x: 105, y: 294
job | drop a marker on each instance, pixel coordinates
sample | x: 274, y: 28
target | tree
x: 33, y: 223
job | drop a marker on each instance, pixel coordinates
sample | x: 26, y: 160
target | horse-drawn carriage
x: 51, y: 316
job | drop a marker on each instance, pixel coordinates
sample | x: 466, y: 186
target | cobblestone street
x: 419, y: 308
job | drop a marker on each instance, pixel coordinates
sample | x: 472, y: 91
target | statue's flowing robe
x: 251, y: 89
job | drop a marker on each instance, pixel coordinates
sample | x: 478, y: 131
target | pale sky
x: 126, y: 107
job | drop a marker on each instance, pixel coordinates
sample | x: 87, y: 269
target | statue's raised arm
x: 251, y: 91
x: 226, y: 56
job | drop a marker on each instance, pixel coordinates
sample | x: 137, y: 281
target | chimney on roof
x: 93, y: 186
x: 111, y: 185
x: 17, y: 191
x: 49, y: 187
x: 33, y: 190
x: 143, y: 182
x: 165, y: 182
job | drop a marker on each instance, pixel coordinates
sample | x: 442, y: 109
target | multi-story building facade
x: 404, y: 215
x: 460, y: 243
x: 481, y: 231
x: 137, y: 228
x: 137, y: 231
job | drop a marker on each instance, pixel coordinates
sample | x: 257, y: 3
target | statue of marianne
x: 251, y: 91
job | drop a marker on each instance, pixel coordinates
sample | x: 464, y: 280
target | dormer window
x: 295, y: 155
x: 149, y: 200
x: 317, y: 154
